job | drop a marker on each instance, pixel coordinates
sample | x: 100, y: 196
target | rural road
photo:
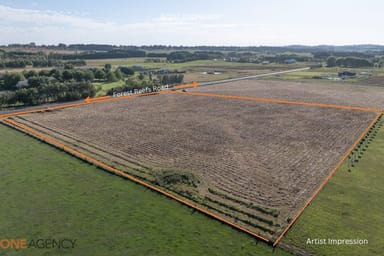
x: 251, y: 77
x: 200, y: 84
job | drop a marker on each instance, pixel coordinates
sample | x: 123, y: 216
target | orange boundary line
x: 91, y: 101
x: 279, y: 101
x: 88, y: 101
x: 309, y: 200
x: 325, y: 181
x: 120, y: 173
x: 181, y: 86
x: 100, y: 98
x: 125, y: 175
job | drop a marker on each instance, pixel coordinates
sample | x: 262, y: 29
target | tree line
x: 184, y: 56
x: 141, y: 82
x: 101, y: 55
x: 56, y: 85
x: 46, y: 86
x: 348, y: 62
x: 167, y: 48
x: 20, y: 59
x: 16, y: 59
x: 52, y: 91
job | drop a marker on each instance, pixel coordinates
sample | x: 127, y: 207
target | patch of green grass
x: 184, y: 65
x: 123, y: 62
x: 103, y: 87
x: 193, y: 69
x: 308, y: 75
x: 46, y: 193
x: 350, y: 206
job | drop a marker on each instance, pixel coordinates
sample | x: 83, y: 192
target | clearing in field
x: 252, y: 163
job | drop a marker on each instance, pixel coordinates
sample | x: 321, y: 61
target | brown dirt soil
x: 267, y: 157
x: 328, y: 93
x: 375, y: 80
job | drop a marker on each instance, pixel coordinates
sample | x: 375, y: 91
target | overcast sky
x: 193, y: 22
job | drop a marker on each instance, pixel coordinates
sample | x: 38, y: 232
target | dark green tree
x: 100, y: 74
x: 111, y: 77
x: 331, y: 61
x: 118, y: 74
x: 11, y: 79
x: 107, y: 67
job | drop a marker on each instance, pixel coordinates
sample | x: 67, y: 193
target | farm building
x: 347, y: 74
x: 290, y: 61
x: 22, y: 84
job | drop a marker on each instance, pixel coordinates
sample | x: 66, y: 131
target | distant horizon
x: 169, y: 46
x: 198, y: 23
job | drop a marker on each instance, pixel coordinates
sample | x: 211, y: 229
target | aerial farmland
x: 189, y: 128
x: 251, y: 161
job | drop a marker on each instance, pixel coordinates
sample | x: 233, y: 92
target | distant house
x: 365, y: 74
x: 289, y: 61
x: 347, y: 74
x: 22, y: 84
x: 163, y: 71
x: 86, y: 68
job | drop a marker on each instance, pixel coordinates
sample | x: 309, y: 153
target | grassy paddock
x: 49, y: 194
x: 194, y: 69
x: 349, y: 207
x: 309, y: 74
x: 184, y: 65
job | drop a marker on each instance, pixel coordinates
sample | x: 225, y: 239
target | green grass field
x: 309, y: 74
x: 46, y: 193
x: 349, y: 206
x: 193, y: 69
x: 103, y: 87
x: 214, y: 63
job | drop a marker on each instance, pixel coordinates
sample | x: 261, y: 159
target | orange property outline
x: 325, y: 181
x: 115, y: 171
x: 279, y: 101
x: 329, y: 176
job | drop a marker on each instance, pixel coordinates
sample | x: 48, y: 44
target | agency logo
x: 48, y: 243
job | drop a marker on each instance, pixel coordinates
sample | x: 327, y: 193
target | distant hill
x: 275, y: 49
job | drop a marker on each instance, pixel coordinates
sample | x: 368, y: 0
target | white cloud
x: 47, y: 17
x: 52, y: 27
x: 185, y: 18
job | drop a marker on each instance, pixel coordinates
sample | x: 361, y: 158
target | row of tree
x: 8, y: 81
x: 348, y: 62
x: 171, y: 79
x: 57, y: 85
x: 167, y: 48
x: 141, y: 82
x: 101, y: 55
x: 48, y: 92
x: 20, y: 59
x: 184, y: 56
x: 37, y: 62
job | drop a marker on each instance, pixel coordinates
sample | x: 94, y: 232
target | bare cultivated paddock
x: 329, y: 93
x: 255, y: 163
